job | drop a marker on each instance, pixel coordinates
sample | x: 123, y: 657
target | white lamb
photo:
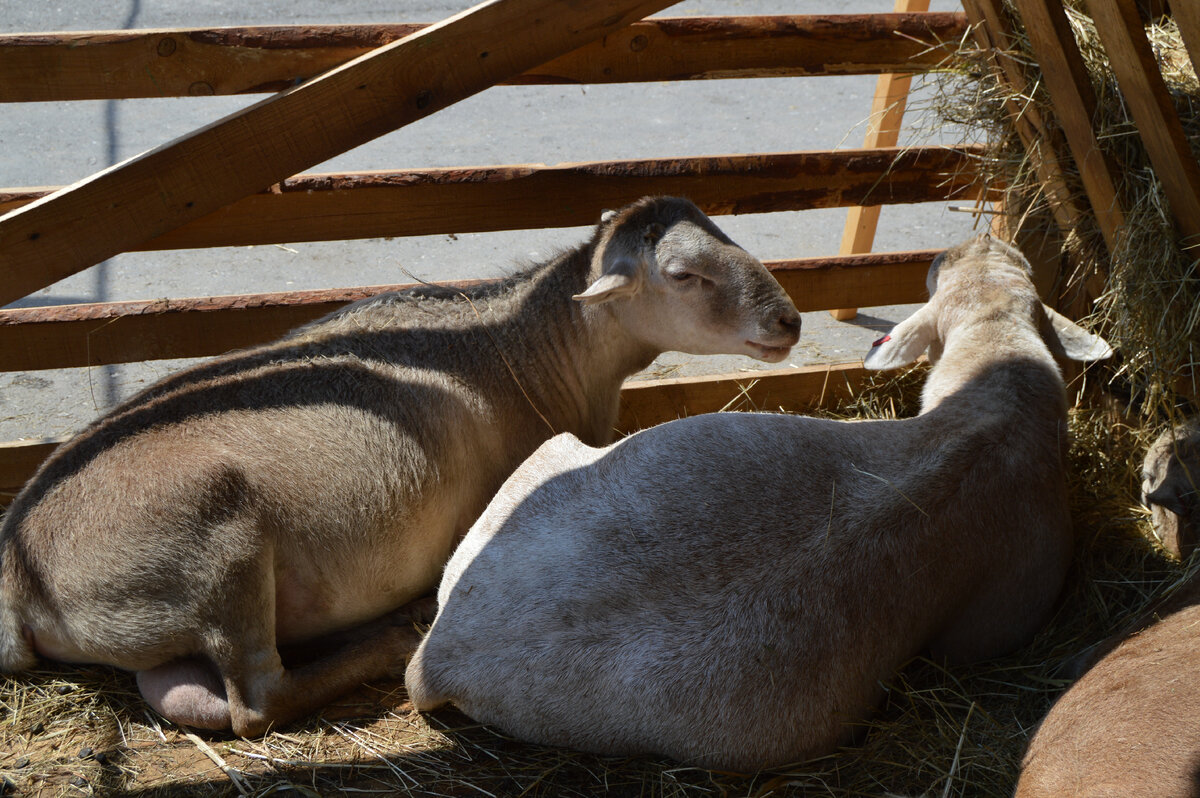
x: 730, y: 590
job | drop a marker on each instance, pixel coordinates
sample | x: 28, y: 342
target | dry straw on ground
x: 940, y: 732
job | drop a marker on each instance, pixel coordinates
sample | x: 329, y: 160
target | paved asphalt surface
x: 57, y: 143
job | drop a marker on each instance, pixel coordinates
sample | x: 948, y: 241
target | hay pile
x: 959, y: 732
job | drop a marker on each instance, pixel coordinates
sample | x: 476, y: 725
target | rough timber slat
x: 98, y: 65
x: 18, y: 461
x: 1074, y: 101
x: 993, y: 34
x: 887, y: 113
x: 643, y: 404
x: 650, y: 402
x: 120, y: 207
x: 1045, y: 147
x: 68, y: 336
x: 455, y: 200
x: 1158, y: 124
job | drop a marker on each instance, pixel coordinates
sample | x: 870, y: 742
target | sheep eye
x: 680, y: 275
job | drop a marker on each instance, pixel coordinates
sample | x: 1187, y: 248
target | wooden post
x: 160, y: 190
x: 887, y: 112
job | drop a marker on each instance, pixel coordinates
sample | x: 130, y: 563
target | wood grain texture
x: 1132, y: 61
x: 1070, y: 89
x: 650, y: 402
x: 516, y: 197
x: 68, y: 336
x: 155, y: 192
x: 644, y: 403
x: 18, y: 461
x: 1044, y: 145
x: 97, y: 65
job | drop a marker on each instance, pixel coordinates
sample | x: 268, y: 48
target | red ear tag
x: 882, y: 340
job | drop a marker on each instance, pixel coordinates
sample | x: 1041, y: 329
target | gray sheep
x: 320, y: 482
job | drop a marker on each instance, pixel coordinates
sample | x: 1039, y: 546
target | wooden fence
x: 157, y: 201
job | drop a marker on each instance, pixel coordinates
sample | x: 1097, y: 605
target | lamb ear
x: 1067, y: 339
x: 905, y: 343
x: 1169, y: 495
x: 621, y: 278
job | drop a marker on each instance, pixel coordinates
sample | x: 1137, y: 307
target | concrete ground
x: 57, y: 143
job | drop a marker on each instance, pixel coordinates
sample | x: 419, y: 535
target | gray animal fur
x: 316, y: 483
x: 1170, y: 475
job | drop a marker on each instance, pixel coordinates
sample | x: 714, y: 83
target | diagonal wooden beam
x: 993, y: 35
x: 1070, y: 89
x: 150, y: 194
x: 1043, y: 146
x: 1124, y: 38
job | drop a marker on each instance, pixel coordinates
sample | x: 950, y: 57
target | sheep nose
x: 789, y: 322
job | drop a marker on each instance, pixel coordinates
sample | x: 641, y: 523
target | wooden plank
x: 68, y: 336
x: 797, y: 389
x: 1043, y: 145
x: 122, y: 206
x: 887, y: 114
x: 101, y: 65
x: 644, y: 403
x: 1070, y: 89
x: 867, y: 280
x: 994, y: 35
x: 18, y: 461
x: 1146, y: 94
x: 459, y: 200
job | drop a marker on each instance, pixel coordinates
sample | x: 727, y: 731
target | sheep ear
x: 1168, y: 495
x: 905, y: 343
x: 621, y: 278
x: 1067, y: 339
x: 1177, y: 492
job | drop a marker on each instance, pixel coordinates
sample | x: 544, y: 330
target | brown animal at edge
x: 1130, y: 726
x: 319, y: 482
